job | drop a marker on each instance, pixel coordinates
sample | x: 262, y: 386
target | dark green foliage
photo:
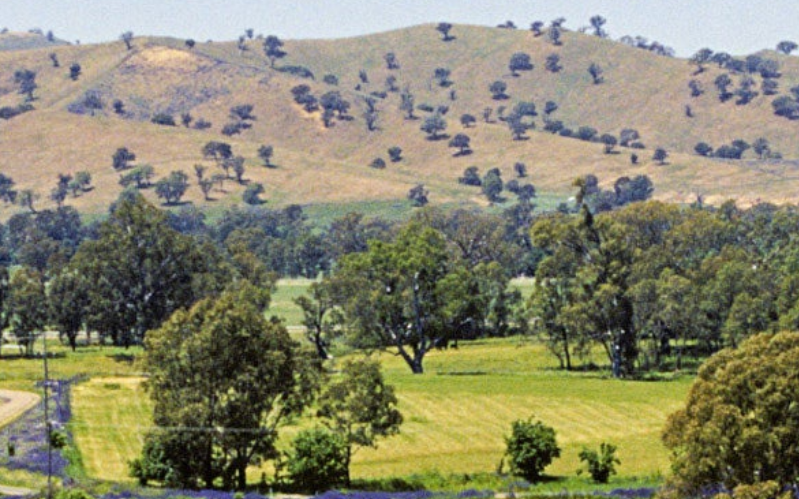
x: 627, y: 136
x: 127, y: 39
x: 7, y: 192
x: 461, y: 141
x: 597, y: 23
x: 140, y: 176
x: 119, y: 107
x: 378, y: 163
x: 745, y: 91
x: 722, y: 83
x: 54, y: 59
x: 520, y: 169
x: 265, y: 154
x: 391, y: 61
x: 471, y: 177
x: 660, y: 155
x: 468, y: 120
x: 602, y: 464
x: 769, y: 86
x: 26, y: 81
x: 442, y: 76
x: 218, y: 151
x: 739, y: 426
x: 300, y: 71
x: 407, y: 103
x: 609, y: 141
x: 252, y: 193
x: 190, y: 43
x: 703, y: 149
x: 586, y: 133
x: 8, y: 112
x: 536, y: 27
x: 531, y: 447
x: 786, y: 106
x: 330, y: 79
x: 596, y: 72
x: 554, y: 34
x: 242, y: 112
x: 318, y: 461
x: 26, y: 306
x: 696, y: 88
x: 163, y: 119
x: 433, y: 125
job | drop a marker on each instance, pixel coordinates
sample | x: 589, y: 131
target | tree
x: 67, y: 300
x: 597, y: 22
x: 273, y: 49
x: 703, y: 149
x: 700, y: 58
x: 317, y: 461
x: 218, y: 151
x: 378, y: 163
x: 761, y: 148
x: 172, y: 188
x: 492, y: 185
x: 769, y: 86
x: 442, y: 76
x: 7, y: 192
x: 531, y: 447
x: 722, y: 83
x: 265, y: 154
x: 444, y: 29
x: 520, y: 169
x: 433, y: 125
x: 600, y: 464
x: 786, y: 47
x: 395, y: 154
x: 468, y: 120
x: 190, y: 43
x: 418, y: 195
x: 360, y: 407
x: 517, y: 126
x: 552, y: 63
x: 497, y: 90
x: 609, y: 141
x: 141, y: 271
x: 470, y: 177
x: 251, y: 193
x: 236, y: 164
x: 371, y: 117
x: 74, y: 71
x: 407, y: 103
x: 26, y: 80
x: 596, y: 73
x: 696, y: 88
x: 119, y: 107
x: 27, y: 307
x: 140, y: 176
x: 26, y: 198
x: 739, y: 425
x: 519, y: 62
x: 461, y: 141
x: 54, y: 58
x: 224, y: 367
x: 319, y: 317
x: 660, y: 155
x: 554, y: 34
x: 536, y: 27
x: 242, y: 112
x: 391, y: 61
x: 127, y: 38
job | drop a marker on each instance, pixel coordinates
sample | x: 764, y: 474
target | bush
x: 600, y: 464
x: 251, y: 194
x: 164, y: 119
x: 318, y: 460
x: 378, y: 163
x: 300, y: 71
x: 531, y: 447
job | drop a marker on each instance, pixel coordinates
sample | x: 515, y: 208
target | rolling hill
x: 329, y: 167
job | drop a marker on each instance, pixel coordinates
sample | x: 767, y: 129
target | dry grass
x: 329, y: 166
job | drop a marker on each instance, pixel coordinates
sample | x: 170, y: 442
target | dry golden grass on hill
x: 330, y: 165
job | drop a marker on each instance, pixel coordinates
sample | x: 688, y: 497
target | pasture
x: 456, y: 414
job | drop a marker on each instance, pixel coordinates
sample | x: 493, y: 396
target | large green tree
x: 223, y: 379
x: 27, y: 306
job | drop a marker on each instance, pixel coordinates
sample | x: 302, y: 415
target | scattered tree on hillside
x: 360, y: 407
x: 786, y: 47
x: 517, y: 126
x: 444, y: 29
x: 54, y: 59
x: 395, y: 153
x: 492, y: 185
x: 164, y: 119
x: 696, y: 88
x: 378, y: 163
x: 519, y: 62
x: 703, y: 149
x: 173, y: 187
x: 190, y: 43
x: 122, y: 158
x: 7, y: 192
x: 461, y: 141
x: 119, y: 107
x: 273, y: 49
x: 27, y: 306
x: 552, y: 63
x: 745, y: 91
x: 520, y: 169
x: 442, y: 76
x: 252, y: 193
x: 597, y: 22
x: 660, y: 155
x: 537, y: 28
x: 609, y: 141
x: 391, y: 61
x: 26, y: 198
x: 74, y: 71
x: 596, y: 73
x: 242, y: 112
x: 127, y: 38
x: 418, y: 196
x: 265, y: 154
x: 218, y: 151
x: 471, y: 176
x: 497, y: 90
x: 467, y: 120
x: 769, y: 86
x: 554, y: 33
x: 531, y: 447
x: 722, y: 83
x: 627, y: 136
x: 407, y: 103
x: 433, y: 125
x: 26, y: 81
x: 700, y: 58
x: 333, y: 102
x: 761, y: 148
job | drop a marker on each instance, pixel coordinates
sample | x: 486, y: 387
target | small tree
x: 172, y: 188
x: 531, y: 447
x: 418, y: 196
x: 696, y: 88
x: 391, y: 61
x: 520, y: 169
x: 492, y: 185
x: 467, y: 120
x: 119, y: 107
x: 433, y: 125
x: 318, y: 461
x: 54, y: 59
x: 596, y: 73
x: 26, y: 80
x: 127, y: 38
x: 552, y: 63
x: 601, y: 465
x: 471, y: 177
x: 190, y: 43
x: 252, y: 193
x: 395, y: 154
x: 660, y: 155
x: 7, y: 192
x: 74, y: 71
x: 265, y: 154
x: 537, y: 28
x: 378, y: 163
x: 609, y: 141
x: 273, y: 49
x: 519, y: 62
x: 786, y: 47
x: 121, y: 158
x: 360, y: 407
x: 444, y: 29
x: 497, y: 90
x: 442, y: 76
x: 461, y: 141
x: 407, y: 103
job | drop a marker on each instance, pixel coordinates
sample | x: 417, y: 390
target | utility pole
x: 47, y: 424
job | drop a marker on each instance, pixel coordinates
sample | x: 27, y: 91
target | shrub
x: 378, y: 163
x: 251, y: 194
x: 330, y: 79
x: 300, y: 71
x: 531, y: 447
x: 164, y: 119
x: 600, y: 464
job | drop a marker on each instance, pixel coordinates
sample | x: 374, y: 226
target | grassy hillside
x: 328, y: 167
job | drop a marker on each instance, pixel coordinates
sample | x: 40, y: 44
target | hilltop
x: 329, y: 166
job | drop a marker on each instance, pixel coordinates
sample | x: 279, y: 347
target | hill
x: 329, y: 166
